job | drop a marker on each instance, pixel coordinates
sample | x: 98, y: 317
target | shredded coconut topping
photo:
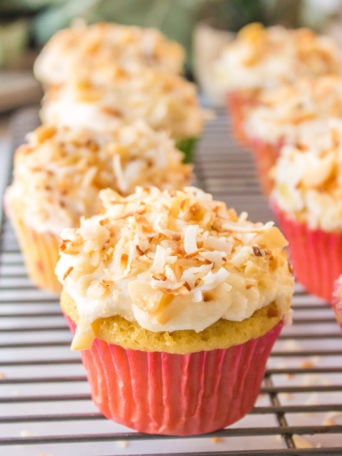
x: 284, y: 113
x: 165, y: 101
x: 172, y: 262
x: 98, y: 48
x: 59, y: 173
x: 262, y: 57
x: 308, y: 180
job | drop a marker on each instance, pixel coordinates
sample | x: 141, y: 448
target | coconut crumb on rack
x: 216, y: 440
x: 302, y: 442
x: 307, y: 364
x: 122, y: 443
x: 332, y: 419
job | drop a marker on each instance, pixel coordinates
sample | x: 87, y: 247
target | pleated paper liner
x: 337, y: 300
x: 162, y: 393
x: 265, y: 157
x: 40, y: 253
x: 316, y: 255
x: 237, y: 103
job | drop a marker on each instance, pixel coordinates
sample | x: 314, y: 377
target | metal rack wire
x: 45, y: 406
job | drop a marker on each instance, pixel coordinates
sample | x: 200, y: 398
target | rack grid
x: 45, y: 405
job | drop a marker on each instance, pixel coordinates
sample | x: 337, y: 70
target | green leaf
x: 187, y: 146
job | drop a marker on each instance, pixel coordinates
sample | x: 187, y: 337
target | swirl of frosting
x: 283, y: 112
x: 172, y: 260
x: 96, y: 50
x: 307, y: 180
x: 164, y: 101
x: 58, y: 174
x: 262, y: 57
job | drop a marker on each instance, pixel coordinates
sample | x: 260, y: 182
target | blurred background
x: 202, y: 26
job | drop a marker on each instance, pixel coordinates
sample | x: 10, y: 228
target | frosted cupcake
x: 307, y: 199
x: 59, y: 173
x: 262, y: 58
x: 165, y: 101
x: 94, y: 51
x: 285, y: 114
x: 163, y: 288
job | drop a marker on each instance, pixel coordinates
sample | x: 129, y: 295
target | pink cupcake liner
x: 337, y: 302
x: 40, y: 252
x: 265, y: 157
x: 316, y: 255
x: 237, y: 102
x: 162, y: 393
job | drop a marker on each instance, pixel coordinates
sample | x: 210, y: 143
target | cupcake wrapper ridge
x: 316, y: 255
x: 236, y: 103
x: 337, y: 303
x: 40, y: 253
x: 162, y: 393
x: 265, y: 157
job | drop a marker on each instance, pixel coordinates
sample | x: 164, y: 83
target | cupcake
x: 337, y: 300
x: 286, y: 114
x: 93, y: 51
x: 161, y: 290
x: 166, y: 102
x: 307, y: 199
x: 262, y: 58
x: 59, y: 173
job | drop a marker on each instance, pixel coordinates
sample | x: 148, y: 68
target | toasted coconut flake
x: 190, y: 238
x: 213, y: 279
x: 302, y: 442
x: 197, y: 295
x: 122, y: 185
x: 170, y: 275
x: 165, y: 284
x: 159, y: 259
x: 67, y: 272
x: 214, y: 256
x: 218, y: 243
x: 332, y: 418
x: 190, y: 275
x: 249, y: 228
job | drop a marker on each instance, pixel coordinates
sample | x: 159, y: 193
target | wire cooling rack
x: 45, y: 406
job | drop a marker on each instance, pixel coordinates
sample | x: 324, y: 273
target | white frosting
x: 69, y: 112
x: 94, y: 50
x: 308, y: 180
x: 172, y: 260
x: 58, y: 174
x: 285, y: 113
x: 165, y: 101
x: 262, y: 58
